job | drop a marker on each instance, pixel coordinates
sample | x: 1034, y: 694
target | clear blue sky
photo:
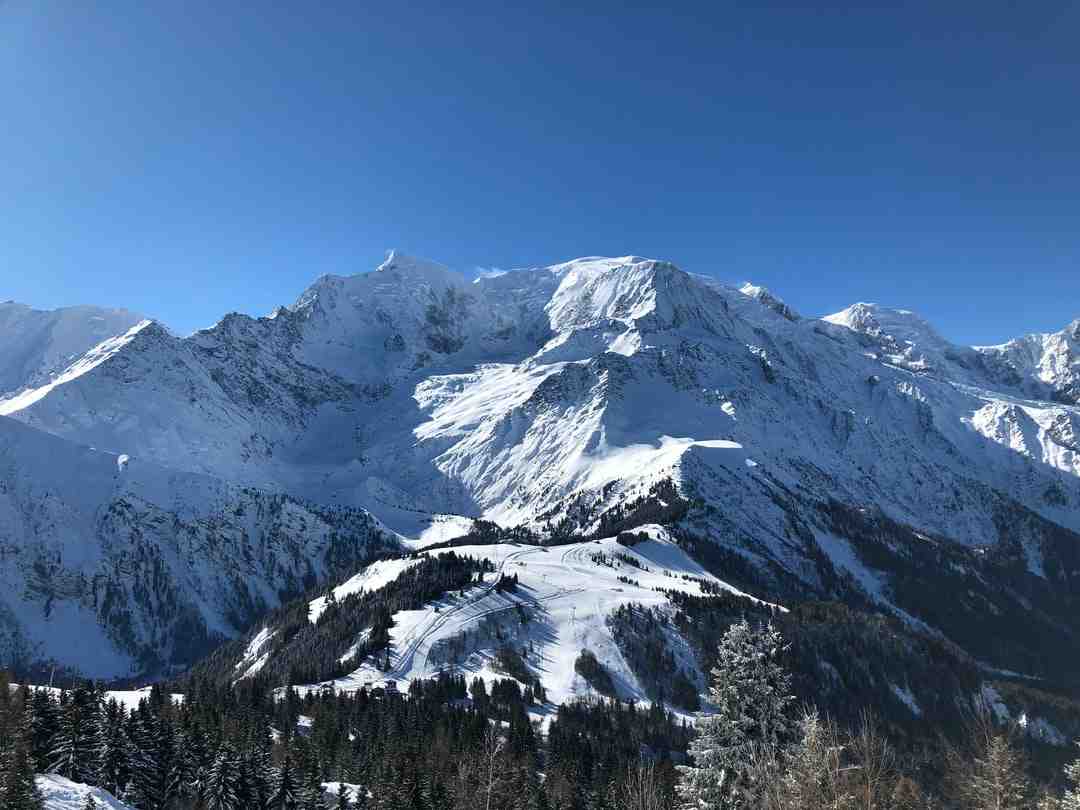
x: 189, y: 158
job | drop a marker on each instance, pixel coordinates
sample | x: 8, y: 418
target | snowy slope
x: 37, y: 345
x: 1037, y: 366
x: 128, y: 698
x: 1050, y: 361
x: 117, y: 566
x: 566, y: 595
x: 597, y: 395
x: 63, y: 794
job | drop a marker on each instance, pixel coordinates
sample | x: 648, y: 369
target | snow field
x: 564, y: 597
x: 63, y: 794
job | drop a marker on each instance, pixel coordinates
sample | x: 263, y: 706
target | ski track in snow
x: 567, y: 597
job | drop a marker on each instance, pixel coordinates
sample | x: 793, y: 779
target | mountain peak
x: 425, y: 269
x: 40, y: 344
x: 902, y: 325
x: 766, y: 298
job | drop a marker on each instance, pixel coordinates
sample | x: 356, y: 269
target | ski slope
x: 565, y: 597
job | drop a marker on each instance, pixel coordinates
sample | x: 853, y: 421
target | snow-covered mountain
x: 1038, y: 366
x: 38, y: 345
x: 604, y: 394
x: 1050, y: 361
x: 116, y: 566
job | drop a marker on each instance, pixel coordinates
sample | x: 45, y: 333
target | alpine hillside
x: 593, y: 456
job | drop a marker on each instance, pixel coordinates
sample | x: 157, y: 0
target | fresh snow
x: 117, y: 526
x: 63, y: 794
x: 256, y: 655
x: 371, y: 578
x: 38, y: 345
x: 334, y: 789
x: 567, y: 597
x: 535, y: 397
x: 128, y: 698
x: 88, y: 362
x: 441, y: 529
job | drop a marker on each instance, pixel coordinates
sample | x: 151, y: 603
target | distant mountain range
x: 159, y: 494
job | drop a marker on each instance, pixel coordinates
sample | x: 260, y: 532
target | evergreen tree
x: 1071, y: 798
x: 751, y: 694
x: 18, y: 791
x: 44, y: 724
x: 809, y: 774
x: 285, y: 791
x: 343, y: 802
x: 311, y: 795
x: 90, y: 804
x: 437, y: 795
x: 110, y: 749
x: 221, y: 791
x: 72, y: 750
x: 257, y: 773
x: 151, y: 758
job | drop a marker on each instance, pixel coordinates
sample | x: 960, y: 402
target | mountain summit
x: 581, y: 399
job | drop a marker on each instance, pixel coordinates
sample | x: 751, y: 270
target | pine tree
x: 222, y: 781
x: 751, y: 694
x: 311, y: 796
x: 437, y: 795
x: 18, y: 791
x: 809, y: 774
x: 360, y: 800
x: 343, y: 802
x: 72, y: 751
x: 44, y: 723
x: 152, y: 760
x: 7, y: 712
x: 90, y: 804
x: 285, y: 792
x: 257, y: 773
x: 110, y: 749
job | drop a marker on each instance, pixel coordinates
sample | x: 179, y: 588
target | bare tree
x: 827, y: 769
x: 814, y: 771
x: 873, y: 760
x: 807, y: 775
x: 640, y: 788
x: 907, y: 795
x: 990, y: 772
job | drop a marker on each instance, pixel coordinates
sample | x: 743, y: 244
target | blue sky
x: 188, y: 159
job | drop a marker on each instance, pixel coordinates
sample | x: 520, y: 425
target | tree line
x: 448, y: 744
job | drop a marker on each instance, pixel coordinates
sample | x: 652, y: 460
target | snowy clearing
x: 63, y: 794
